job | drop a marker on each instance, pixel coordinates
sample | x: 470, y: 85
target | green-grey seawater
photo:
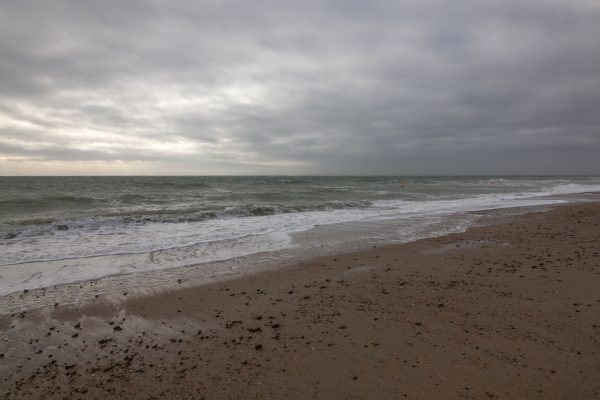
x: 45, y: 219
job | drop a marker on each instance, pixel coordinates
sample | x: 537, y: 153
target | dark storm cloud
x: 306, y: 87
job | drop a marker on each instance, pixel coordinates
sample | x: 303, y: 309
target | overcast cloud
x: 305, y: 87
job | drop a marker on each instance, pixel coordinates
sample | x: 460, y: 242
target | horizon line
x: 299, y: 175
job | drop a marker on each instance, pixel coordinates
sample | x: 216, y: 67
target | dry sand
x: 510, y: 311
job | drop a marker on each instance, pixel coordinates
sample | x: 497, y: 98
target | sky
x: 322, y: 87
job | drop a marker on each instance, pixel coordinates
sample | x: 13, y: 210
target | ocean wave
x: 261, y: 209
x: 35, y: 227
x: 45, y: 201
x: 132, y: 198
x: 569, y: 188
x: 173, y: 217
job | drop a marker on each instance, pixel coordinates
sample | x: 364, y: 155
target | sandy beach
x: 507, y: 311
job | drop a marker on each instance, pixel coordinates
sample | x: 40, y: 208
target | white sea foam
x: 32, y: 275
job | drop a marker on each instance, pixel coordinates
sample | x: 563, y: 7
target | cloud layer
x: 312, y: 87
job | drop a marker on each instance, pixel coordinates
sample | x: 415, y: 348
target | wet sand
x: 504, y: 311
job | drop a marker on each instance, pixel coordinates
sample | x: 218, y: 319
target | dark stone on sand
x: 117, y: 328
x: 70, y: 366
x: 75, y: 335
x: 62, y: 227
x: 11, y: 235
x: 258, y: 347
x: 77, y: 325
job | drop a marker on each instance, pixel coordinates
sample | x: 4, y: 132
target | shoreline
x: 318, y: 241
x: 503, y: 310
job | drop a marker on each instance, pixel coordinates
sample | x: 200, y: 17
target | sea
x: 60, y: 230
